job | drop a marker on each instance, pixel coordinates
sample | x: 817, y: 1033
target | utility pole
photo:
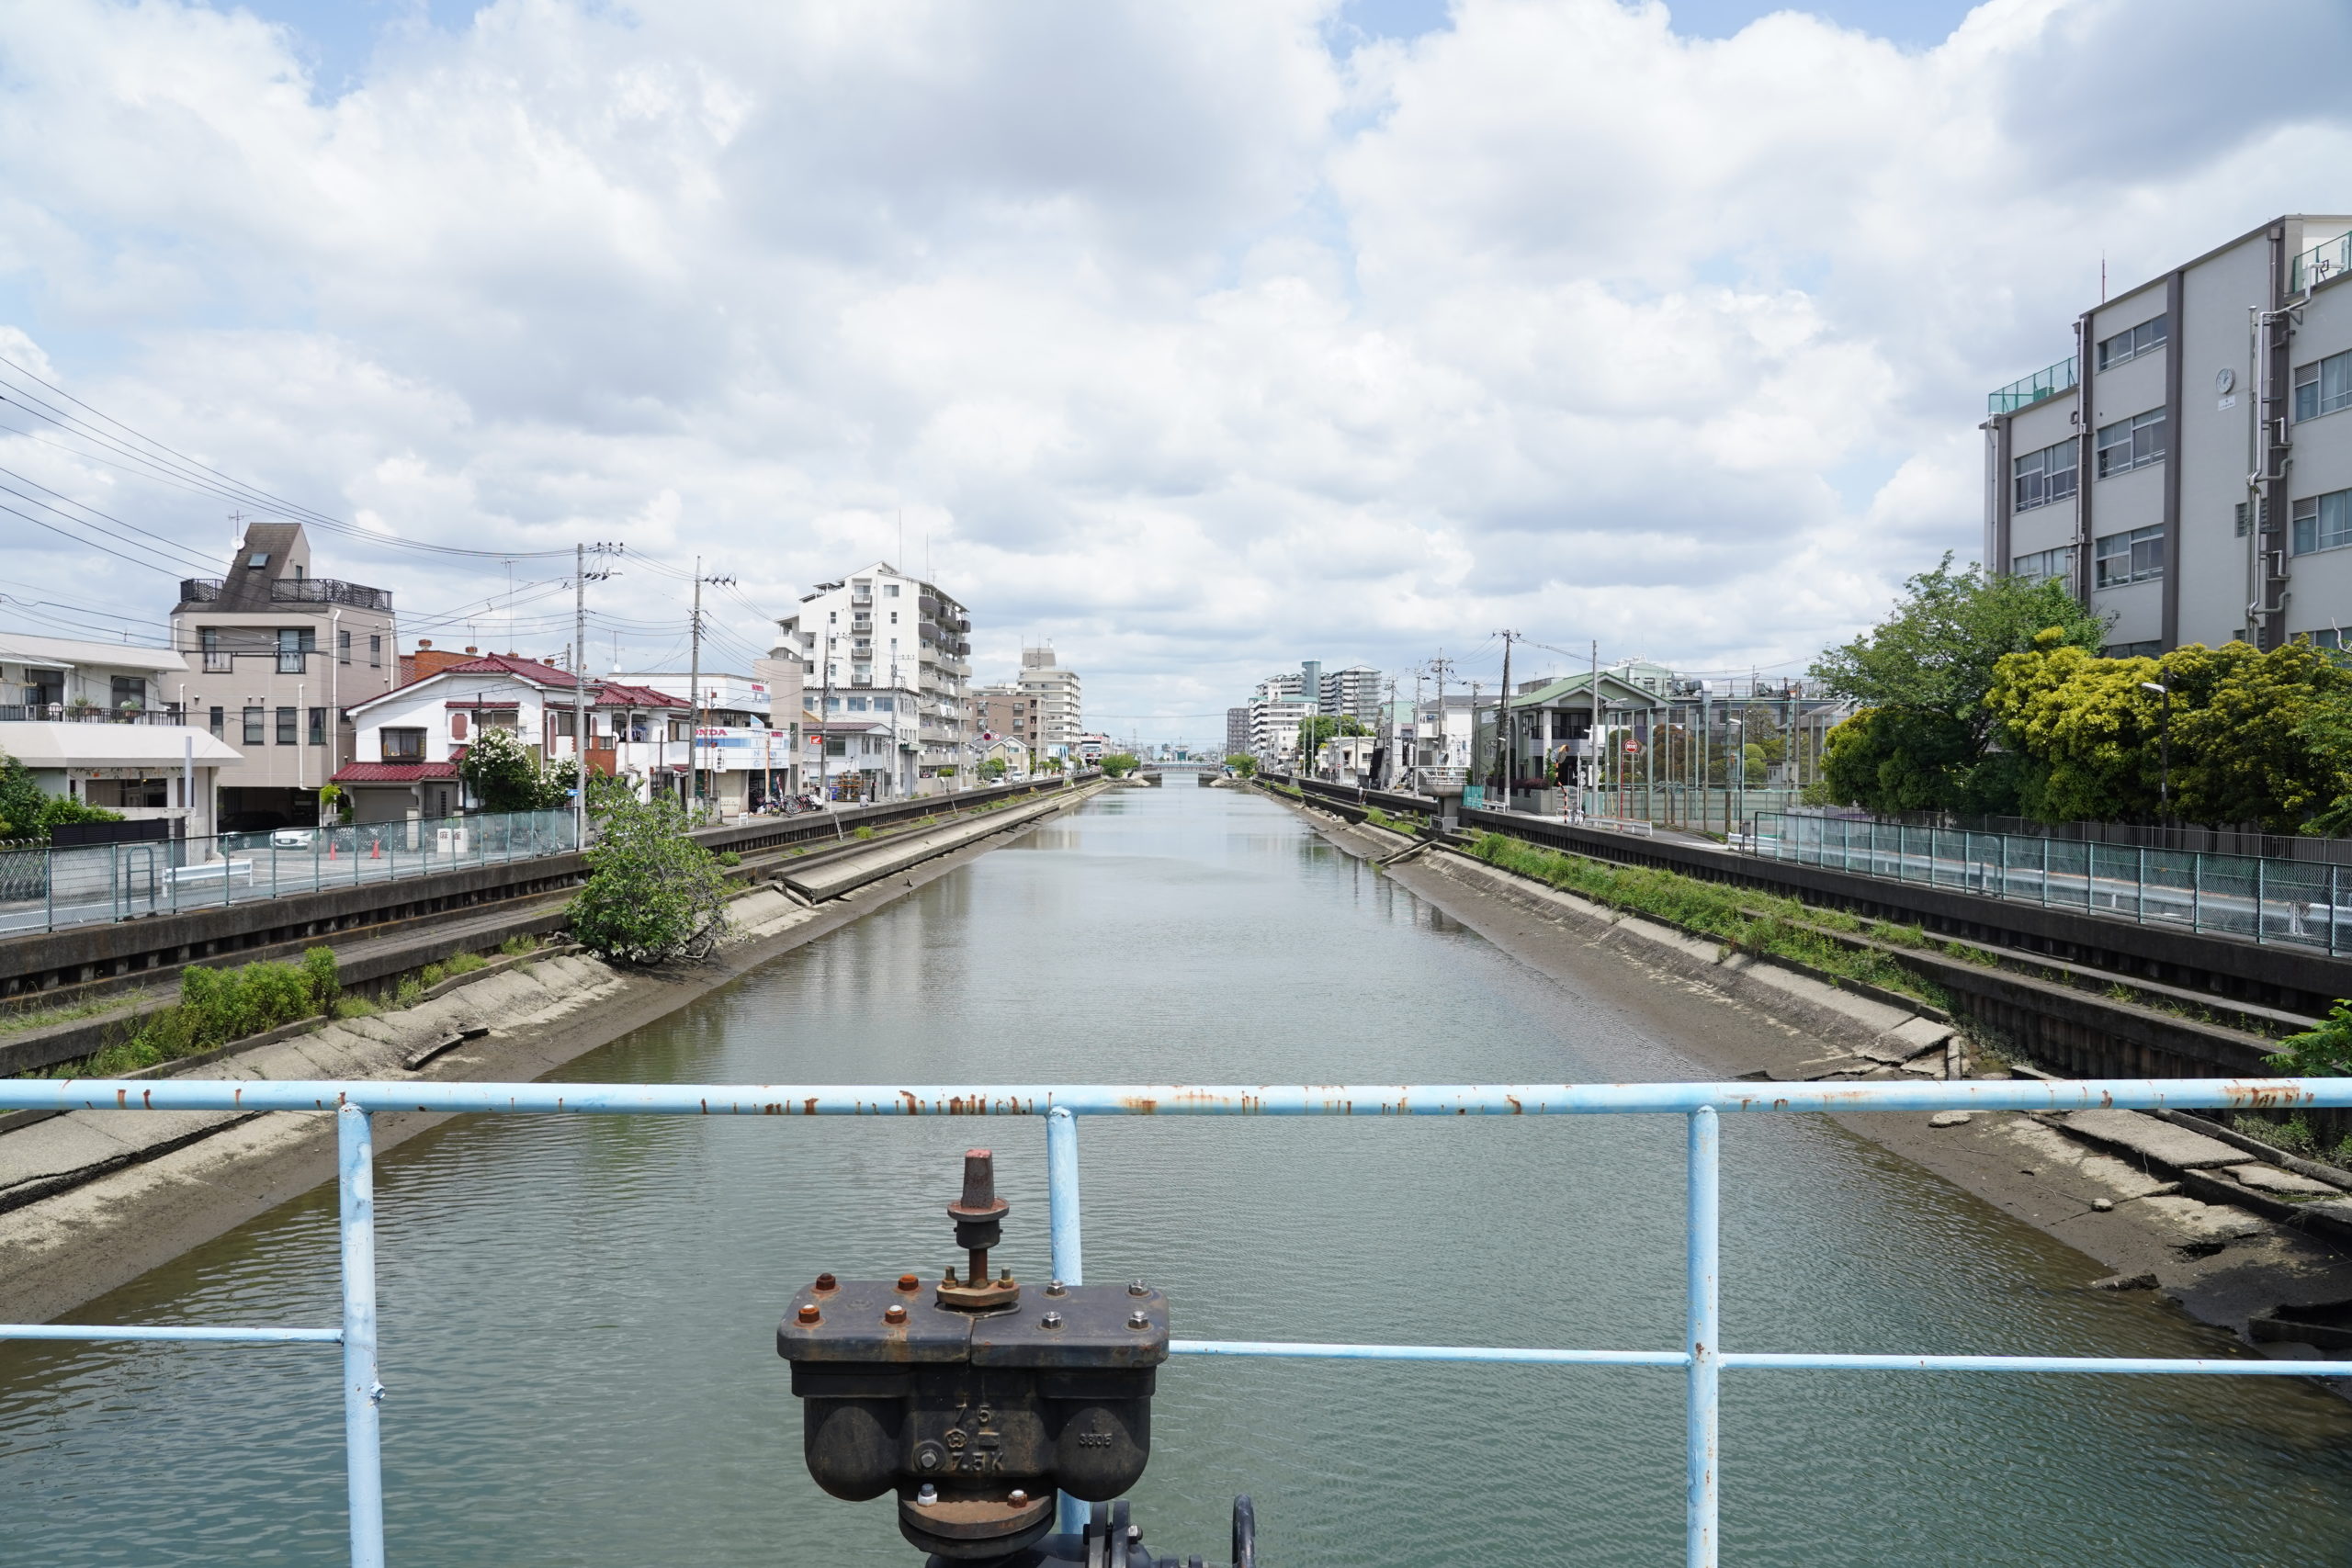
x: 1504, y: 742
x: 694, y: 741
x: 580, y: 692
x: 1440, y: 667
x: 1592, y: 742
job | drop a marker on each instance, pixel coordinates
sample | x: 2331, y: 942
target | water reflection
x: 578, y: 1313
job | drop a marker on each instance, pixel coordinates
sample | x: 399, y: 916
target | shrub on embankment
x: 1742, y: 918
x: 652, y: 893
x: 218, y: 1006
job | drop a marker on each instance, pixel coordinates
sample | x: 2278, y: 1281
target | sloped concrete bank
x: 2238, y: 1238
x: 93, y: 1199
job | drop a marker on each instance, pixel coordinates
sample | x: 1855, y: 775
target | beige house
x: 278, y: 657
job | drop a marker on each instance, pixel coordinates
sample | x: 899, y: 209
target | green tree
x: 1118, y: 764
x: 29, y: 812
x: 504, y: 777
x: 992, y: 769
x: 652, y: 893
x: 1318, y: 728
x: 1922, y: 676
x: 1243, y: 763
x: 2255, y: 737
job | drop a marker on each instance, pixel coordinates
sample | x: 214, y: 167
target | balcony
x: 327, y: 590
x: 199, y: 589
x: 2042, y: 385
x: 63, y: 713
x: 2326, y: 260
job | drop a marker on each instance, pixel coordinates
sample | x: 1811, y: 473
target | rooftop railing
x: 1701, y: 1360
x: 2045, y: 383
x: 327, y: 590
x: 2319, y: 263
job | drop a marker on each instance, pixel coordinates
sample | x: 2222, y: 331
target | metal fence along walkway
x: 1701, y: 1359
x: 44, y: 888
x: 2299, y: 903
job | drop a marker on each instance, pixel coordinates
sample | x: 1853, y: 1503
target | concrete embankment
x: 2243, y: 1235
x: 94, y: 1199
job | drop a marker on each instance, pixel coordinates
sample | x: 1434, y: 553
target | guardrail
x: 2287, y: 902
x: 1701, y: 1359
x: 42, y: 889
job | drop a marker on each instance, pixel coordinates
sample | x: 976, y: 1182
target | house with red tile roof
x: 410, y: 740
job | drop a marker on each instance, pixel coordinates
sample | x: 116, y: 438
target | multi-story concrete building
x: 103, y: 724
x: 1352, y: 693
x: 1237, y: 731
x: 1054, y: 702
x: 1005, y: 712
x: 2181, y: 470
x: 280, y: 658
x: 885, y: 655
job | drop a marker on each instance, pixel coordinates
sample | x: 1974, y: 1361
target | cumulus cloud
x: 1167, y: 332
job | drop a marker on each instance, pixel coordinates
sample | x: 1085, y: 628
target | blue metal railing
x: 1701, y: 1359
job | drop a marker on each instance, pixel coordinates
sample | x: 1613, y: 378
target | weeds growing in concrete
x: 1742, y: 918
x: 516, y: 946
x: 218, y: 1006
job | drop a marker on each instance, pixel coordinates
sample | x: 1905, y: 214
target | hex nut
x: 927, y: 1497
x: 1138, y: 1289
x: 809, y: 1312
x: 894, y: 1313
x: 909, y: 1283
x: 827, y: 1282
x: 1051, y: 1320
x: 1138, y: 1319
x: 1056, y: 1288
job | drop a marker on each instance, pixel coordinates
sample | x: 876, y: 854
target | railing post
x: 2260, y: 894
x: 1705, y: 1339
x: 2331, y: 909
x: 1061, y: 1199
x: 2196, y: 892
x: 363, y: 1450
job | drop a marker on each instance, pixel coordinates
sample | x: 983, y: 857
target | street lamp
x: 2164, y: 749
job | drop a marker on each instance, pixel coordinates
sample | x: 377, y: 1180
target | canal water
x: 578, y: 1313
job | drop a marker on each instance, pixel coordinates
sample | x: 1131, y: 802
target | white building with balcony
x: 884, y: 658
x: 98, y: 722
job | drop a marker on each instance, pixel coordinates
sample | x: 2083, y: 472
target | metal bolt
x: 809, y: 1312
x: 1056, y: 1288
x: 951, y: 1275
x: 827, y: 1282
x: 1138, y: 1319
x: 927, y: 1497
x: 1018, y: 1499
x: 908, y: 1283
x: 1051, y: 1320
x: 1138, y: 1289
x: 1135, y: 1532
x: 894, y: 1313
x: 1005, y: 1276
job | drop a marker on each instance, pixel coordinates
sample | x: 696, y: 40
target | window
x: 2135, y: 556
x: 2043, y: 564
x: 2244, y: 515
x: 343, y: 648
x: 402, y: 745
x: 2145, y: 338
x: 220, y: 724
x: 857, y: 704
x: 2132, y: 443
x: 215, y: 658
x: 2324, y: 522
x: 881, y: 705
x: 2149, y: 650
x: 374, y: 653
x: 890, y: 591
x: 2332, y: 638
x: 293, y: 642
x: 289, y: 721
x: 2324, y: 386
x: 2040, y: 478
x: 126, y: 691
x: 254, y: 725
x: 258, y: 560
x: 833, y: 705
x: 318, y: 726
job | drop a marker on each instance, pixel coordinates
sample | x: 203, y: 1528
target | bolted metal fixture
x: 977, y: 1415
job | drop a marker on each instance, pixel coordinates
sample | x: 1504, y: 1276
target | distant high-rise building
x: 1352, y: 693
x: 1237, y: 731
x: 1055, y: 699
x: 886, y: 654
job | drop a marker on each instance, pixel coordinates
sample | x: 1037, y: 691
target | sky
x: 1197, y: 340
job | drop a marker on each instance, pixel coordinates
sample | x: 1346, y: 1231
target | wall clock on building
x: 2223, y: 381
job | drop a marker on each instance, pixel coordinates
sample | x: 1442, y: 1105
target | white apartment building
x: 2182, y: 470
x: 885, y: 661
x: 1056, y: 705
x: 280, y: 658
x: 1352, y: 693
x: 99, y: 722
